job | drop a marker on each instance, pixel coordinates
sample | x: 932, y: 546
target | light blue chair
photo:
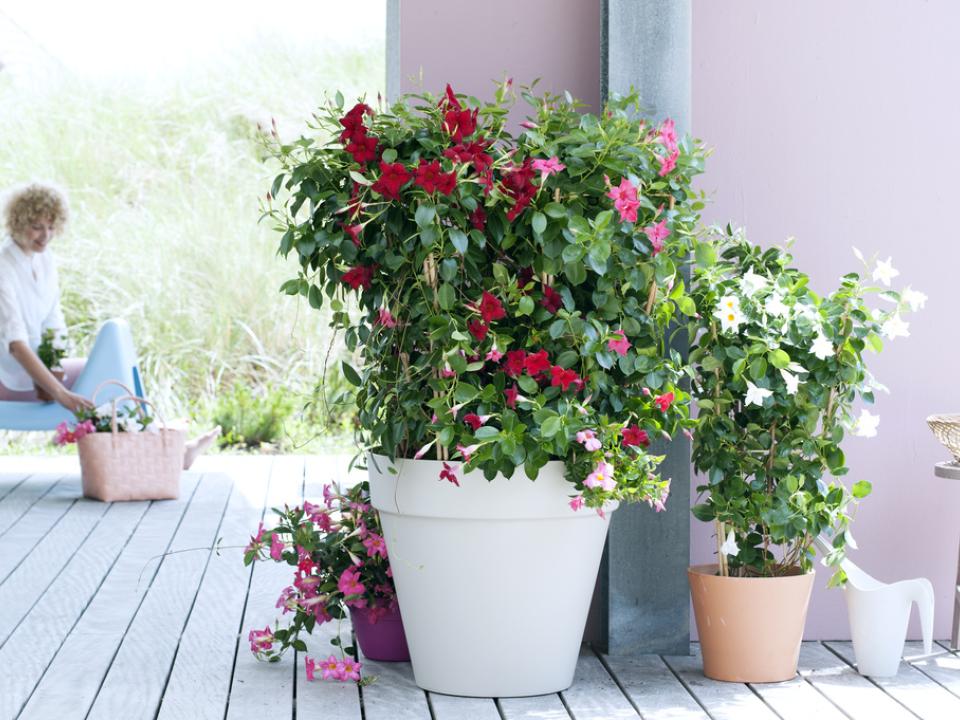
x: 113, y: 357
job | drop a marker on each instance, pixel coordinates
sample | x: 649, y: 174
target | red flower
x: 478, y: 329
x: 524, y: 277
x: 354, y: 232
x: 518, y: 182
x: 516, y: 360
x: 393, y: 176
x: 491, y: 308
x: 360, y: 275
x: 537, y: 363
x: 633, y: 435
x: 473, y: 420
x: 511, y: 395
x: 478, y: 218
x: 460, y: 123
x: 353, y: 122
x: 551, y: 299
x: 431, y: 178
x: 449, y: 473
x: 363, y: 147
x: 663, y: 401
x: 564, y: 378
x: 474, y: 152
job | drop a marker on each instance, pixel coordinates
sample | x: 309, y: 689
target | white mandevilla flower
x: 756, y: 395
x: 752, y: 283
x: 914, y: 298
x: 792, y: 381
x: 822, y: 347
x: 885, y: 271
x: 866, y: 425
x: 895, y: 327
x: 729, y: 313
x: 129, y: 424
x: 775, y: 306
x: 729, y: 546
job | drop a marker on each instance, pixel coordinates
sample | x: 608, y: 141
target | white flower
x: 895, y: 327
x: 859, y: 255
x: 791, y: 380
x: 729, y: 313
x: 866, y: 425
x: 729, y: 546
x: 756, y: 395
x: 129, y: 424
x: 822, y: 347
x: 752, y: 283
x: 914, y: 298
x: 885, y: 272
x: 796, y: 367
x: 809, y: 312
x: 775, y: 306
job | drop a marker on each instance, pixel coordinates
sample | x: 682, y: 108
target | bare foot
x: 196, y: 447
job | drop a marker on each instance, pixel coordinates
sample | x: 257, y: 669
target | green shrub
x: 252, y: 419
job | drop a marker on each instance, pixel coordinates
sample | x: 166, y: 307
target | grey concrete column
x: 642, y: 605
x: 393, y: 50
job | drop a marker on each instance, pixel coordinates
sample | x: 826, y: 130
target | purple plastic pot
x: 380, y: 635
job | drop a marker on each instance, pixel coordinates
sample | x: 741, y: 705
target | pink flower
x: 494, y: 354
x: 546, y: 168
x: 449, y: 473
x: 528, y: 125
x: 619, y: 343
x: 576, y: 503
x: 63, y: 436
x: 588, y: 439
x: 423, y: 451
x: 260, y: 640
x: 255, y: 540
x: 375, y: 545
x: 602, y: 477
x: 332, y: 669
x: 625, y: 200
x: 287, y: 600
x: 386, y: 319
x: 350, y: 669
x: 663, y: 401
x: 467, y: 451
x: 656, y: 234
x: 349, y: 583
x: 310, y: 665
x: 84, y: 428
x: 687, y: 434
x: 668, y: 135
x: 510, y: 394
x: 327, y: 496
x: 447, y: 371
x: 668, y: 162
x: 276, y: 546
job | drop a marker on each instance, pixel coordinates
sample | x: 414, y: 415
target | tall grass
x: 165, y: 182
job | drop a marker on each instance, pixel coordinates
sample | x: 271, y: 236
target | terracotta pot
x: 43, y: 395
x: 750, y: 628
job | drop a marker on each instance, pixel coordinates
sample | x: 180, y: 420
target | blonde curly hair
x: 27, y: 204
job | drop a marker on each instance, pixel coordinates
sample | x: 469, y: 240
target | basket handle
x: 101, y: 386
x: 140, y: 403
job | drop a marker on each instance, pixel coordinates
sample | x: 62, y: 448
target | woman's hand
x: 71, y: 401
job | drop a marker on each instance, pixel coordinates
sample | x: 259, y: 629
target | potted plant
x: 778, y: 370
x: 51, y: 351
x: 340, y: 561
x: 508, y: 298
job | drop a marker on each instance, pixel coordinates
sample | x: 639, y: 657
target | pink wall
x: 470, y: 44
x: 838, y: 124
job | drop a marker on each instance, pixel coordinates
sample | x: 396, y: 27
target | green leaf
x: 526, y: 305
x: 446, y: 296
x: 528, y: 384
x: 389, y: 155
x: 779, y: 359
x: 351, y: 375
x: 425, y: 214
x: 459, y: 240
x: 555, y: 210
x: 486, y: 432
x: 705, y: 254
x: 686, y: 305
x: 315, y: 297
x: 861, y: 489
x: 358, y: 178
x: 539, y: 223
x: 758, y: 368
x: 576, y: 273
x: 550, y: 427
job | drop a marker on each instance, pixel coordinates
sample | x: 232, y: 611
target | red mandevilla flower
x: 537, y: 363
x: 478, y: 329
x: 363, y: 148
x: 432, y: 178
x: 358, y: 276
x: 473, y: 420
x: 564, y: 378
x: 491, y: 308
x: 393, y: 176
x: 663, y: 401
x: 478, y: 218
x: 633, y: 435
x: 353, y: 122
x: 551, y: 300
x: 518, y: 182
x: 516, y: 362
x: 510, y: 394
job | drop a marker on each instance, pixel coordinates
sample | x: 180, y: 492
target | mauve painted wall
x: 839, y: 123
x: 471, y: 44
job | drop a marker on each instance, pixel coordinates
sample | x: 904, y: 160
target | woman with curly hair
x: 30, y: 297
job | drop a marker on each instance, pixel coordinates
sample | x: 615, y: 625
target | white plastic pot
x: 494, y: 579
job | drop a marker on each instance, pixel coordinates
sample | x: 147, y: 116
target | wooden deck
x: 94, y: 623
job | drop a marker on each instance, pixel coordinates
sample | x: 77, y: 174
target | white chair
x: 879, y: 614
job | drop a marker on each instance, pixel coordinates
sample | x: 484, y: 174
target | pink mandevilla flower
x: 350, y: 669
x: 349, y: 583
x: 588, y: 439
x: 656, y: 234
x: 577, y: 502
x: 276, y: 546
x: 260, y: 640
x: 602, y: 477
x: 310, y: 665
x: 624, y: 199
x: 668, y: 162
x: 331, y: 669
x: 548, y: 167
x: 375, y: 545
x: 386, y: 319
x: 494, y: 354
x: 619, y: 343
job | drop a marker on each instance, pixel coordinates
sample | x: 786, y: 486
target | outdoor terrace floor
x: 95, y: 624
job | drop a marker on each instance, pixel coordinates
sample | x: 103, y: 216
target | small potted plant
x: 341, y: 564
x: 778, y: 370
x: 508, y: 297
x: 51, y: 351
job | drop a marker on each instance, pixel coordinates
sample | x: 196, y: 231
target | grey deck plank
x: 23, y: 534
x: 859, y: 698
x: 19, y: 496
x: 325, y: 699
x: 594, y: 695
x: 32, y: 646
x: 134, y: 685
x: 538, y: 707
x: 924, y: 697
x: 653, y: 688
x: 723, y: 701
x: 70, y: 684
x: 199, y: 683
x: 943, y: 667
x: 394, y: 695
x: 11, y: 479
x: 262, y: 689
x: 24, y: 586
x: 448, y: 707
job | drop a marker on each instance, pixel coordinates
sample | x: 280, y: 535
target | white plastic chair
x: 879, y: 614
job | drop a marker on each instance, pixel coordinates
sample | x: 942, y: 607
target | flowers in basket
x: 130, y: 419
x: 509, y: 297
x: 340, y: 563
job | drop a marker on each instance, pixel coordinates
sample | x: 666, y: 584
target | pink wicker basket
x: 131, y: 466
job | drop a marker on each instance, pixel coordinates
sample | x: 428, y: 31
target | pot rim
x: 710, y: 570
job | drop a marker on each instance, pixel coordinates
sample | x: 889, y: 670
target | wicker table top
x: 949, y: 470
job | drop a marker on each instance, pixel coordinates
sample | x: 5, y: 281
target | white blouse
x: 29, y: 304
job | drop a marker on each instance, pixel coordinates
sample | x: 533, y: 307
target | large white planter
x: 494, y: 579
